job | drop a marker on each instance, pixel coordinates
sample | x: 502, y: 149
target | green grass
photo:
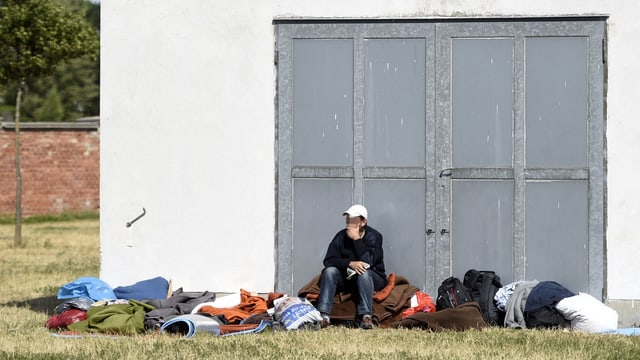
x: 63, y: 217
x: 57, y: 252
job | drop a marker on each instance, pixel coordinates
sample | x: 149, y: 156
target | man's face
x: 354, y: 223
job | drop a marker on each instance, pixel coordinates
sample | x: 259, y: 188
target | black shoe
x: 366, y: 323
x: 326, y: 321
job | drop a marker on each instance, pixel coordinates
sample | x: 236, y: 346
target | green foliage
x: 7, y: 108
x: 93, y: 14
x: 84, y: 8
x: 51, y: 109
x: 35, y: 36
x: 75, y: 72
x: 78, y: 84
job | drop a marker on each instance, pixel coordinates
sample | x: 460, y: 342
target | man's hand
x: 353, y: 232
x: 359, y: 266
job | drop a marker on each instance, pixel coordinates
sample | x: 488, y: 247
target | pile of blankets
x: 90, y: 306
x: 400, y: 304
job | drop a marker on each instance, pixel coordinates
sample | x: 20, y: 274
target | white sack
x: 587, y: 313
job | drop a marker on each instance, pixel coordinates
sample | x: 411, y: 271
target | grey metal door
x: 355, y: 125
x: 522, y: 167
x: 473, y: 144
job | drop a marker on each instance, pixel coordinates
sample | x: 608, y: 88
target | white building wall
x: 187, y: 118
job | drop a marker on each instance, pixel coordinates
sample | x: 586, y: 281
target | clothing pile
x: 400, y: 305
x: 547, y: 304
x: 526, y: 304
x: 90, y: 306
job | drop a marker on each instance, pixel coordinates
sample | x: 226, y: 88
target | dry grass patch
x: 52, y: 254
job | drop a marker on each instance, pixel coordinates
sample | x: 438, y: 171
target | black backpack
x: 451, y: 293
x: 483, y: 285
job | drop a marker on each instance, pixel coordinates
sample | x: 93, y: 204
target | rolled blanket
x: 190, y: 324
x: 156, y: 288
x: 462, y: 317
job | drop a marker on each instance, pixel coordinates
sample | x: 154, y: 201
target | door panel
x: 319, y: 204
x: 485, y: 241
x: 557, y: 94
x: 323, y: 98
x: 557, y: 233
x: 482, y: 99
x: 394, y: 122
x: 397, y: 210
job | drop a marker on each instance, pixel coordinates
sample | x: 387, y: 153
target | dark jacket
x: 546, y: 294
x: 342, y: 250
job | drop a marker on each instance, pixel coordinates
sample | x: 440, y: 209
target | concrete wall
x: 188, y: 132
x: 60, y: 168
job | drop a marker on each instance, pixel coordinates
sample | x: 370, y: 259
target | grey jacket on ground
x: 514, y: 317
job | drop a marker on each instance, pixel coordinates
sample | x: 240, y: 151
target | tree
x: 51, y: 109
x: 35, y: 37
x: 77, y: 81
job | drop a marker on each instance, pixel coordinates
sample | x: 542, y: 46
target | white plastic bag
x: 292, y: 312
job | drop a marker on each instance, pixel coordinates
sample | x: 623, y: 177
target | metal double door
x: 472, y: 144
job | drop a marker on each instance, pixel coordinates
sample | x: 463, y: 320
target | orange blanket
x: 250, y: 303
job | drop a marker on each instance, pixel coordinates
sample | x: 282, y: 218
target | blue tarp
x: 87, y: 287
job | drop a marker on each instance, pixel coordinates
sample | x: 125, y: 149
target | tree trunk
x: 17, y: 240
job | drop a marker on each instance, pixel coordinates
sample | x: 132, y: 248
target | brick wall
x: 60, y: 168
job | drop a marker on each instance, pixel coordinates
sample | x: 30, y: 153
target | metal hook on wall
x: 137, y: 218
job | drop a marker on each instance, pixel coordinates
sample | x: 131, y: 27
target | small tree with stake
x: 36, y: 36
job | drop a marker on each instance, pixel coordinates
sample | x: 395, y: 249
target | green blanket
x: 114, y: 319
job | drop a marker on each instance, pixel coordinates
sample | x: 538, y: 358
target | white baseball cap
x: 355, y: 211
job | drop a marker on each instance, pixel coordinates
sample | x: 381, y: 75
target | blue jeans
x: 332, y: 280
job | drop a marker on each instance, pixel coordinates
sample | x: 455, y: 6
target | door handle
x: 430, y: 231
x: 446, y: 172
x: 444, y: 231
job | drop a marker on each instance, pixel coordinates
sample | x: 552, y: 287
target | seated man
x: 354, y: 261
